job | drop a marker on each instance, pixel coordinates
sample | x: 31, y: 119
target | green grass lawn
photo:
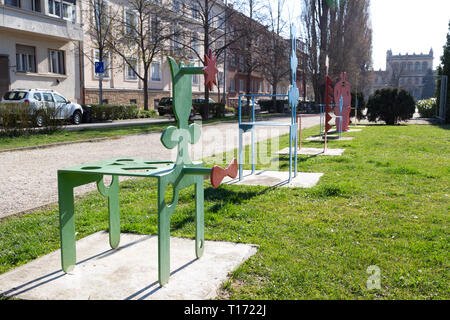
x: 384, y: 203
x: 39, y: 139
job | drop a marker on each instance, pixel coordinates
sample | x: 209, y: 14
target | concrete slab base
x: 349, y: 130
x: 336, y: 137
x: 129, y: 272
x: 314, y: 151
x: 276, y: 179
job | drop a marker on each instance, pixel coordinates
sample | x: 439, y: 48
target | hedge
x: 114, y: 111
x: 17, y: 119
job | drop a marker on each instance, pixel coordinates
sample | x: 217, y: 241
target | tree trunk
x: 146, y: 89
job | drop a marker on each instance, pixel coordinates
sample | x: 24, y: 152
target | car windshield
x: 14, y: 95
x: 165, y: 100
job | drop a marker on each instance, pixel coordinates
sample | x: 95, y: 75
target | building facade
x: 120, y: 84
x: 48, y: 44
x: 38, y: 46
x: 408, y: 71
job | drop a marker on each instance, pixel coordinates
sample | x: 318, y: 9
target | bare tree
x: 249, y: 47
x: 342, y: 31
x: 205, y: 28
x: 99, y: 25
x: 276, y: 49
x: 143, y: 31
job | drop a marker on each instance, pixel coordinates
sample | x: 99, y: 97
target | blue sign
x: 99, y: 67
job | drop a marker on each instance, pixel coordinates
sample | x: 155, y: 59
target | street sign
x: 99, y: 67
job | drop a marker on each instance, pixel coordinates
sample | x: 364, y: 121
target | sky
x: 404, y: 26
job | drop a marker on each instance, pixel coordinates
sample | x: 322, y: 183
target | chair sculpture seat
x: 181, y: 173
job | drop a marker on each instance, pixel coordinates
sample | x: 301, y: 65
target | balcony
x: 23, y: 20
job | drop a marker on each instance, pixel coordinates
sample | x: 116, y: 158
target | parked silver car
x: 43, y: 98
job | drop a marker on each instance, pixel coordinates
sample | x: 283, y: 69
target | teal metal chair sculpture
x: 180, y: 174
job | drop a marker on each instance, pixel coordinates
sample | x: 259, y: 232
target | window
x: 59, y: 99
x: 220, y: 79
x: 417, y: 66
x: 133, y: 101
x: 195, y: 79
x: 47, y: 97
x: 241, y: 85
x: 56, y: 62
x: 194, y: 10
x: 101, y: 13
x: 13, y: 3
x: 130, y: 68
x: 176, y: 4
x: 410, y: 66
x: 37, y: 96
x: 424, y: 66
x: 25, y: 58
x: 232, y: 85
x: 195, y: 46
x: 177, y: 42
x: 130, y: 22
x: 105, y: 62
x: 32, y: 5
x: 221, y: 22
x: 155, y: 29
x: 156, y: 71
x: 67, y: 11
x: 54, y: 8
x: 233, y: 60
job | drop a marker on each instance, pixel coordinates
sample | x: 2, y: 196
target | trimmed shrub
x: 427, y: 107
x: 390, y: 105
x: 147, y: 113
x: 114, y: 111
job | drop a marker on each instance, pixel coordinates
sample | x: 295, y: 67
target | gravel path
x: 29, y: 178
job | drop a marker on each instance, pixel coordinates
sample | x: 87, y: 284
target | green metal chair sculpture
x: 180, y: 174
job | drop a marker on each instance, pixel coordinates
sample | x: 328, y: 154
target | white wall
x: 68, y: 84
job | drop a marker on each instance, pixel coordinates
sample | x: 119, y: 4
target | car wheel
x: 76, y: 118
x: 39, y: 121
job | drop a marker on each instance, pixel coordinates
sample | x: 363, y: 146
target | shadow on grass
x: 221, y: 195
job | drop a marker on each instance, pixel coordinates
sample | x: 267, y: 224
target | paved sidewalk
x: 29, y: 178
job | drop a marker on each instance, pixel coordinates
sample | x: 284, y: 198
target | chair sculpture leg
x: 163, y: 236
x: 66, y: 183
x: 67, y: 223
x: 199, y: 218
x: 112, y: 193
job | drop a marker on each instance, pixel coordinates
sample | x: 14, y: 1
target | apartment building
x: 49, y: 44
x: 38, y: 46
